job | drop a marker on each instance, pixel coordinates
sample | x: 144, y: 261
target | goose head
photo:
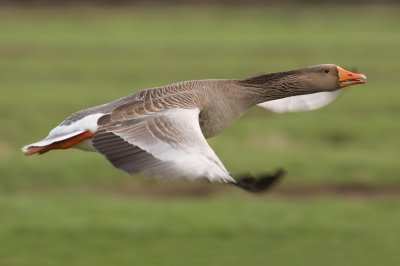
x: 327, y: 77
x: 312, y: 79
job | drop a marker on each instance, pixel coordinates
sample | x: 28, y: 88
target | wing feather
x: 164, y: 144
x: 301, y: 103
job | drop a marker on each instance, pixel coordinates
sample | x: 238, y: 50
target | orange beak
x: 347, y: 78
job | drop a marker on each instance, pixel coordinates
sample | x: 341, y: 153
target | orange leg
x: 63, y: 144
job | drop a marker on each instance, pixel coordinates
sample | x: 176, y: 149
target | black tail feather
x: 261, y: 183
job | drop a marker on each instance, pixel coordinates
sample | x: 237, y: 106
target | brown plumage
x: 162, y: 131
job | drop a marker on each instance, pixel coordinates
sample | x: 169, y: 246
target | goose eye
x: 326, y: 70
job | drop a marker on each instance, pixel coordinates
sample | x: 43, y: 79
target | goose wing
x: 163, y: 144
x: 301, y: 103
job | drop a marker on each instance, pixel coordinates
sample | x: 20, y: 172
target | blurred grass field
x: 65, y: 208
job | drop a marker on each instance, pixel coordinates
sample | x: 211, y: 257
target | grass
x: 60, y: 61
x: 234, y: 231
x: 57, y: 209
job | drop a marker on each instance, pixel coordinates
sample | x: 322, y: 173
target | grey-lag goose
x: 162, y: 131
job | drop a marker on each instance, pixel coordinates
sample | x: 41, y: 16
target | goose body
x: 162, y: 131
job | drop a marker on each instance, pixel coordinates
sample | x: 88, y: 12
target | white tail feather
x: 48, y: 141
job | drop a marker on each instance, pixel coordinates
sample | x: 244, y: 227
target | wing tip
x: 260, y: 184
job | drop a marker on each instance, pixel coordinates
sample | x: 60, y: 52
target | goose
x: 162, y: 131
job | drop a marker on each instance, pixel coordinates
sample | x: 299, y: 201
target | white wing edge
x: 195, y: 158
x: 301, y: 103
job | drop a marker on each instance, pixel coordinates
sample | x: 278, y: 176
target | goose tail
x: 60, y: 142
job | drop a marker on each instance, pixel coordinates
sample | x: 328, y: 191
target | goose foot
x: 261, y: 183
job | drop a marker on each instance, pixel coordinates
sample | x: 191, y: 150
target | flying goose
x: 162, y: 131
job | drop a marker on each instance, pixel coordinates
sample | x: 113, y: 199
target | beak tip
x: 347, y: 78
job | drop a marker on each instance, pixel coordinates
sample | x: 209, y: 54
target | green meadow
x: 73, y: 208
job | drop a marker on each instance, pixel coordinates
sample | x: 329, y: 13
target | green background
x: 73, y: 208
